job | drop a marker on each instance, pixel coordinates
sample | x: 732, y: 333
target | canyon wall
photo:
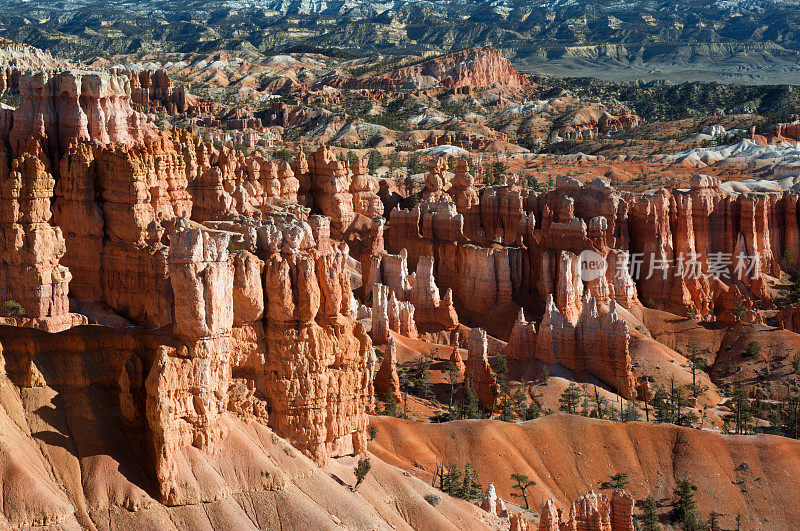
x: 146, y: 221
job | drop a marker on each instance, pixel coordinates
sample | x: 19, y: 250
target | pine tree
x: 522, y: 483
x: 451, y: 481
x: 661, y: 406
x: 421, y: 379
x: 375, y: 160
x: 361, y: 471
x: 741, y: 412
x: 631, y: 412
x: 570, y: 399
x: 390, y: 404
x: 451, y: 375
x: 532, y: 411
x: 506, y: 409
x: 518, y: 403
x: 650, y: 515
x: 470, y: 409
x: 470, y: 487
x: 616, y: 481
x: 686, y: 507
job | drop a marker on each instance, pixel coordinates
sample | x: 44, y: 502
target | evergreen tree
x: 570, y: 399
x: 616, y: 481
x: 470, y: 487
x: 375, y: 160
x: 713, y: 521
x: 545, y: 375
x: 600, y: 410
x: 742, y: 413
x: 414, y: 165
x: 505, y: 405
x: 518, y: 400
x: 532, y: 411
x: 421, y: 379
x: 697, y: 363
x: 650, y: 515
x: 451, y: 375
x: 361, y: 471
x: 451, y: 481
x: 522, y: 483
x: 390, y: 404
x: 470, y: 409
x: 686, y: 513
x: 506, y: 409
x: 631, y: 413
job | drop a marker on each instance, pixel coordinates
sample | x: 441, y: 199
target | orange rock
x: 31, y: 248
x: 518, y: 523
x: 478, y: 372
x: 330, y: 185
x: 522, y: 342
x: 591, y: 512
x: 387, y: 380
x: 596, y: 345
x: 455, y: 357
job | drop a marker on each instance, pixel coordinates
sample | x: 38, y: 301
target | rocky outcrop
x: 621, y: 511
x: 590, y: 512
x: 522, y: 342
x: 330, y: 185
x: 462, y: 190
x: 316, y: 363
x: 479, y: 277
x: 789, y: 318
x: 387, y: 381
x: 492, y: 504
x: 474, y: 67
x: 154, y: 88
x: 33, y: 284
x: 364, y: 188
x: 456, y: 359
x: 592, y: 345
x: 518, y: 523
x: 188, y: 388
x: 596, y: 119
x: 436, y: 181
x: 550, y: 518
x: 65, y: 108
x: 389, y: 314
x: 430, y: 309
x: 478, y: 372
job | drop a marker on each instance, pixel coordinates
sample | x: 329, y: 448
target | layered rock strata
x: 33, y: 284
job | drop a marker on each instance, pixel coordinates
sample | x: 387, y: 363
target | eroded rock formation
x: 474, y: 67
x: 478, y: 372
x: 590, y: 512
x: 387, y: 380
x: 591, y: 345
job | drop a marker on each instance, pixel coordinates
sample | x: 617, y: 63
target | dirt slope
x: 755, y: 476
